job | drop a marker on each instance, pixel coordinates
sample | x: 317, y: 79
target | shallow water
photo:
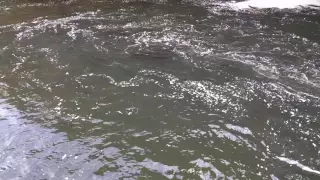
x: 158, y: 90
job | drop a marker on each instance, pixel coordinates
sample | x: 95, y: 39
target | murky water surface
x: 158, y: 90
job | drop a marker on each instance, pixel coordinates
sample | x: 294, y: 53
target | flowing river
x: 171, y: 89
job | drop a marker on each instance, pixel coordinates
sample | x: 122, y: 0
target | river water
x: 158, y: 90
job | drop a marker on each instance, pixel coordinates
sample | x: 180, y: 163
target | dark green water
x: 158, y: 90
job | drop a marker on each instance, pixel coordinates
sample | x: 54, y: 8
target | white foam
x: 303, y: 167
x: 281, y: 4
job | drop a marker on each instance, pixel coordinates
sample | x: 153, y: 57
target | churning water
x: 101, y: 89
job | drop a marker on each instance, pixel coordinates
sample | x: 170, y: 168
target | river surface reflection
x: 158, y: 90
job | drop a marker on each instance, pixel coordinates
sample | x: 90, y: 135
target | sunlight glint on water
x: 159, y: 90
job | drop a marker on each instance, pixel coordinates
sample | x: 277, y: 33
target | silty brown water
x: 158, y: 90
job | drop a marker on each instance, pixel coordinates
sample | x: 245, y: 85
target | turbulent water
x: 158, y: 90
